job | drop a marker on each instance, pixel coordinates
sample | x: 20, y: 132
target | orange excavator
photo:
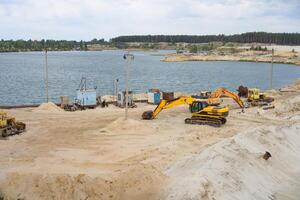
x: 214, y: 98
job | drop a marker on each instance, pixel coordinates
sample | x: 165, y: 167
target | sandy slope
x: 95, y: 154
x: 283, y: 54
x: 234, y: 168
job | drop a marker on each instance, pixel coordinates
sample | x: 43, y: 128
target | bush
x: 206, y: 47
x: 193, y: 49
x: 258, y: 48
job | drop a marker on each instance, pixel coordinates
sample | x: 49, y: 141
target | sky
x: 88, y: 19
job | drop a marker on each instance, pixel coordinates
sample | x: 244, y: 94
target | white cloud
x: 86, y: 19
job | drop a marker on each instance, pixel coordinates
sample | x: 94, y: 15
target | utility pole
x: 46, y: 75
x: 116, y: 88
x: 271, y: 71
x: 128, y: 57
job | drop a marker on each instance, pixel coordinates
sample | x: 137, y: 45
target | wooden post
x: 128, y: 57
x: 271, y: 71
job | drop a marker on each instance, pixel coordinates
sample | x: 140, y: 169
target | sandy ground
x: 96, y: 154
x: 283, y: 54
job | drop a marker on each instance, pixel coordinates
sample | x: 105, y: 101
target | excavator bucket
x: 147, y: 115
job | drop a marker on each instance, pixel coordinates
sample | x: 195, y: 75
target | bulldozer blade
x: 147, y: 115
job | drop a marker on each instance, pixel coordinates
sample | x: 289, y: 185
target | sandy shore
x: 283, y: 54
x: 96, y: 154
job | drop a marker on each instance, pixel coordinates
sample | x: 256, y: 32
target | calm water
x: 22, y: 74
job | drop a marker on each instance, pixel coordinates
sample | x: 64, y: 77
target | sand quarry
x: 95, y: 154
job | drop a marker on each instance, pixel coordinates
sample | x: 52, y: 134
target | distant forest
x: 50, y: 45
x: 120, y: 42
x: 259, y: 37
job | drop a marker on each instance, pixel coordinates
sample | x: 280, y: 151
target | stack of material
x: 168, y: 95
x: 64, y: 101
x: 154, y: 96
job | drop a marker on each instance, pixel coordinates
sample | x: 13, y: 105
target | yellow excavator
x: 202, y: 112
x: 254, y: 96
x: 9, y: 126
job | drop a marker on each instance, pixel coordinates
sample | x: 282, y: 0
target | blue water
x: 22, y: 74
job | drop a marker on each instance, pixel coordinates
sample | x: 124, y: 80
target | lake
x: 22, y: 74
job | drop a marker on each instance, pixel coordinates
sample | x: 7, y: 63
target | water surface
x: 22, y: 74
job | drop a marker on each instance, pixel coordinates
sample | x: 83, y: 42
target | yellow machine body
x: 9, y: 126
x: 202, y: 112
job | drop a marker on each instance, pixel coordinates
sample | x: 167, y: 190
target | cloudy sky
x: 88, y: 19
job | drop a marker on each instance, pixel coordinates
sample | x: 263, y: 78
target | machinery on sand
x: 9, y: 126
x: 202, y: 112
x: 254, y: 96
x: 218, y: 93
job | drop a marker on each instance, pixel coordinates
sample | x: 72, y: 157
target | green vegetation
x: 258, y: 37
x: 228, y: 50
x: 196, y: 44
x: 50, y: 45
x: 202, y: 47
x: 258, y: 48
x: 193, y: 49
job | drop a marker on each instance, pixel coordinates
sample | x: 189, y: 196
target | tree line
x: 259, y: 37
x: 50, y: 45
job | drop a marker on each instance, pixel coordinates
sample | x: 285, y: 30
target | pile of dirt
x: 295, y: 86
x: 138, y: 182
x: 131, y: 125
x: 288, y: 106
x: 48, y: 107
x: 235, y: 168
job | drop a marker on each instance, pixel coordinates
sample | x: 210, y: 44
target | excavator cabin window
x: 196, y: 106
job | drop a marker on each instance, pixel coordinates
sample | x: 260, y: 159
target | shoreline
x: 234, y: 58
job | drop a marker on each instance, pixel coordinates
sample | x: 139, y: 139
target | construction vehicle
x: 254, y: 96
x: 202, y: 112
x: 9, y: 126
x: 215, y: 96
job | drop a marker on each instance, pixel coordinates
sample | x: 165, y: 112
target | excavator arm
x: 165, y: 104
x: 223, y: 91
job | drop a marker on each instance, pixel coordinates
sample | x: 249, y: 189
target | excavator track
x: 215, y: 122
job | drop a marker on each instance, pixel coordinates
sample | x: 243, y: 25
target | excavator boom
x: 224, y: 92
x: 165, y: 104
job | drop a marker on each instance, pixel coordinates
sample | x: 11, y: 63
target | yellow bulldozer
x: 9, y: 126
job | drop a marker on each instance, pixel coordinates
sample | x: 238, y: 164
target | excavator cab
x: 197, y: 106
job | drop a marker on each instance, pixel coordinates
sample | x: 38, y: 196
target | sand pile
x: 287, y: 106
x: 127, y: 125
x: 293, y: 87
x: 234, y: 168
x: 48, y: 107
x: 138, y: 182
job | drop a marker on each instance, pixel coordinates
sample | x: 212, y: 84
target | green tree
x: 193, y: 49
